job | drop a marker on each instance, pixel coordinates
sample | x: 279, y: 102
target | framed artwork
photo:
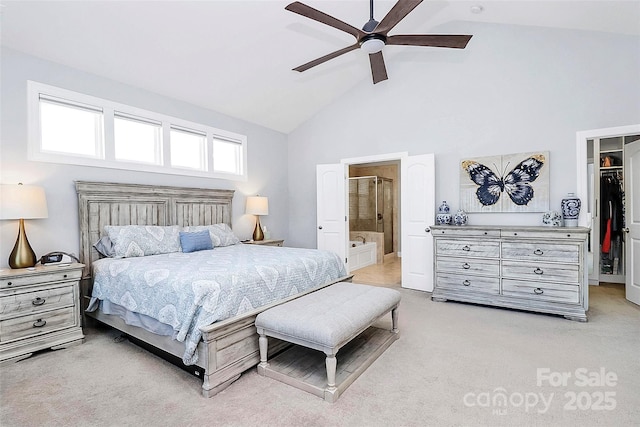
x: 507, y: 183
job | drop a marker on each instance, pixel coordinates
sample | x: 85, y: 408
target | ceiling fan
x: 374, y: 35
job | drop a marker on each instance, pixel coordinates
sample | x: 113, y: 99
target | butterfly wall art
x: 507, y: 183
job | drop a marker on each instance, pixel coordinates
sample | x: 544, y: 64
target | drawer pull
x: 39, y: 323
x: 9, y: 283
x: 466, y: 248
x: 466, y: 283
x: 64, y: 277
x: 538, y: 270
x: 38, y: 301
x: 538, y: 252
x: 466, y: 266
x: 538, y: 291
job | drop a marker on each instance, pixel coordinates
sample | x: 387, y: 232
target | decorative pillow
x: 143, y: 240
x: 196, y: 241
x: 221, y: 234
x: 104, y: 246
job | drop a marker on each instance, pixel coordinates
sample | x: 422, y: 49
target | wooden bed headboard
x: 101, y: 204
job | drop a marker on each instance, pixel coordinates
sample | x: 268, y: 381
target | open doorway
x: 417, y: 207
x: 608, y: 182
x: 374, y: 226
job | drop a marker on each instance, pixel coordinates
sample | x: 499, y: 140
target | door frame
x: 582, y: 183
x: 581, y: 154
x: 378, y: 158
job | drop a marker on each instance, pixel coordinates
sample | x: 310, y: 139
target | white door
x: 417, y: 211
x: 331, y: 209
x: 632, y: 218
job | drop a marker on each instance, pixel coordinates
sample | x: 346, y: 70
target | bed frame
x: 227, y: 348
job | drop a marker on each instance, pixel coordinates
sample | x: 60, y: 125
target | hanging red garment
x: 606, y: 242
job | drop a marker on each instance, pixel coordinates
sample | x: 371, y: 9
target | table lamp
x: 257, y: 205
x: 22, y: 202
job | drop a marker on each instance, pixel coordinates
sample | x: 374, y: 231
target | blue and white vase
x: 570, y: 210
x: 460, y: 218
x: 552, y: 219
x: 443, y: 217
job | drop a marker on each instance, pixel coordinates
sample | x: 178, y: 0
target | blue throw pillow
x: 196, y: 241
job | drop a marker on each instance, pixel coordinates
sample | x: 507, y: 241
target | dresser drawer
x: 36, y: 324
x: 465, y: 231
x: 468, y: 248
x: 470, y: 283
x: 487, y: 267
x: 558, y: 252
x: 541, y: 291
x: 36, y: 279
x: 540, y: 271
x: 44, y: 299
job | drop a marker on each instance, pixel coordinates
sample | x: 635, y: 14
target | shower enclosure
x: 371, y: 207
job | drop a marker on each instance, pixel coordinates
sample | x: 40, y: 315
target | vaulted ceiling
x: 235, y: 57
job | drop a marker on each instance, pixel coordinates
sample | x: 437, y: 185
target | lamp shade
x: 257, y: 205
x: 22, y: 202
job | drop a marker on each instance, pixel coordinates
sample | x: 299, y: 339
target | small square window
x: 70, y: 129
x: 227, y: 156
x: 137, y: 140
x: 188, y: 149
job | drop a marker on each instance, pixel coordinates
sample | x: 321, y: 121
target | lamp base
x: 257, y: 233
x: 22, y: 256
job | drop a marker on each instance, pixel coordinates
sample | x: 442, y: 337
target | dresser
x: 39, y: 309
x: 529, y: 268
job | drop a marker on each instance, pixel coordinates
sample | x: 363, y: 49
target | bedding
x: 142, y: 240
x: 196, y: 241
x: 190, y: 290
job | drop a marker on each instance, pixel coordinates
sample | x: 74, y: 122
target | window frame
x: 109, y: 111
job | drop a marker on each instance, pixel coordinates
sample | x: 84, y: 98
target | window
x: 70, y: 128
x: 188, y: 149
x: 137, y: 140
x: 227, y: 155
x: 73, y: 128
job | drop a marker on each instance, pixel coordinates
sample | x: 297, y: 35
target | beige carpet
x: 452, y: 365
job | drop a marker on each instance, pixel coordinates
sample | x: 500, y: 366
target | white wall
x: 514, y: 89
x: 267, y: 160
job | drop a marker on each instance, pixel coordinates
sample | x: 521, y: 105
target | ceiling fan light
x: 372, y: 45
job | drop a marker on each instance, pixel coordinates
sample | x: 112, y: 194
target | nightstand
x: 265, y: 242
x: 39, y: 309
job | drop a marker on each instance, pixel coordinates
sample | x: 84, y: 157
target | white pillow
x: 221, y: 234
x: 142, y: 240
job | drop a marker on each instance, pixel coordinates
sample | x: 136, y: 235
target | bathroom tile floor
x: 388, y: 273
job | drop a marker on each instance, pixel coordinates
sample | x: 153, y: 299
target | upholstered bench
x: 337, y: 317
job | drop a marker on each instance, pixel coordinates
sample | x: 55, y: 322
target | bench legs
x: 263, y: 342
x: 394, y: 319
x: 331, y: 363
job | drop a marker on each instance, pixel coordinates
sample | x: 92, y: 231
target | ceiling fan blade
x: 453, y: 41
x: 395, y: 15
x: 316, y: 15
x: 378, y: 70
x: 325, y: 58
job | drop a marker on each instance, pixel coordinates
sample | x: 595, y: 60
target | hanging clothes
x: 611, y: 203
x: 606, y: 241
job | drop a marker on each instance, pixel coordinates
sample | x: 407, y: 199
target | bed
x: 221, y: 340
